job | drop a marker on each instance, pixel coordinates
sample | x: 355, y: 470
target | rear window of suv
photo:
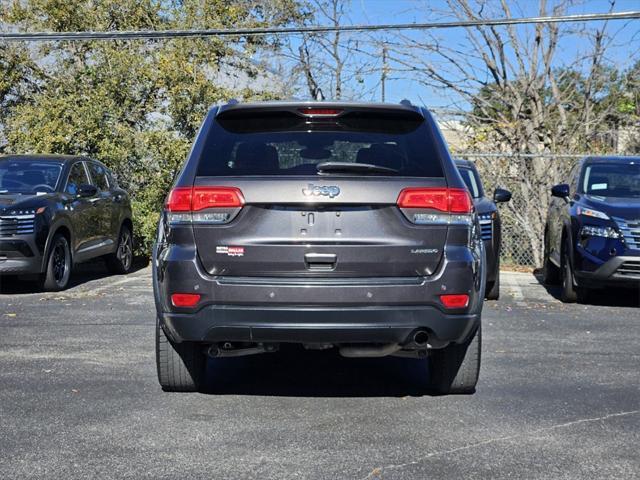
x: 285, y: 143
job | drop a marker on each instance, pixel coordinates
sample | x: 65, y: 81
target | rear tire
x: 121, y: 260
x: 58, y: 269
x: 181, y: 366
x: 456, y: 368
x: 582, y: 294
x: 569, y: 293
x: 550, y: 273
x: 493, y: 288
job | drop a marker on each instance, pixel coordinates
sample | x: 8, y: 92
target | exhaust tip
x: 420, y: 338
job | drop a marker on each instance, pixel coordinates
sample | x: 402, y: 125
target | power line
x: 160, y: 34
x: 537, y: 155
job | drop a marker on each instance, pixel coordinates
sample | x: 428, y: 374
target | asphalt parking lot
x: 559, y: 397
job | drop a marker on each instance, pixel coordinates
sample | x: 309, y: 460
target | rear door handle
x: 320, y: 261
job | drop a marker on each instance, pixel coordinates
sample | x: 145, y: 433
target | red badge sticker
x: 230, y: 251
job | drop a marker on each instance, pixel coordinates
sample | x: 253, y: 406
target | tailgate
x: 283, y: 231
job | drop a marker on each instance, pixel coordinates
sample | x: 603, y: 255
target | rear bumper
x: 317, y: 310
x: 216, y: 323
x: 622, y: 270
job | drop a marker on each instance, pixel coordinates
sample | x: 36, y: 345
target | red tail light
x: 185, y: 299
x: 179, y: 200
x: 193, y: 199
x: 329, y: 112
x: 455, y: 300
x: 216, y: 197
x: 451, y: 200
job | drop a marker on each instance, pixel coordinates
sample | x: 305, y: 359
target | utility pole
x: 383, y: 76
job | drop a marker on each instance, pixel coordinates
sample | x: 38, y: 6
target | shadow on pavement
x: 82, y: 273
x: 296, y: 372
x: 607, y: 296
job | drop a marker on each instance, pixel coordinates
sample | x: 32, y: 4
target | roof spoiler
x: 305, y: 109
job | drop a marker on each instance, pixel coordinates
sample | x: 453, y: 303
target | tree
x: 627, y: 103
x: 517, y: 98
x: 330, y: 65
x: 135, y: 105
x: 19, y: 77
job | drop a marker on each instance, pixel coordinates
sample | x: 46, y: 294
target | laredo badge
x: 230, y: 251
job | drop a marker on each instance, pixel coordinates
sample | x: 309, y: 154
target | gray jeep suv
x: 331, y: 225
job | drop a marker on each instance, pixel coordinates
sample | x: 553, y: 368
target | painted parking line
x: 525, y: 287
x: 111, y: 285
x: 103, y: 286
x: 510, y: 281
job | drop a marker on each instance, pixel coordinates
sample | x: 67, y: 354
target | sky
x: 624, y: 52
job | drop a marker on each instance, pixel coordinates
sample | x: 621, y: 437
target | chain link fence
x: 529, y: 177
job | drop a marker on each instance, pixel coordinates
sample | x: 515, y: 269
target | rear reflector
x: 193, y: 199
x: 455, y: 300
x: 451, y: 200
x: 184, y: 299
x: 329, y: 112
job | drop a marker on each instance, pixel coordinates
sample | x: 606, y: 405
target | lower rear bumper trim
x: 217, y: 323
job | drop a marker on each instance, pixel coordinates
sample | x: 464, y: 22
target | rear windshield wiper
x: 349, y: 167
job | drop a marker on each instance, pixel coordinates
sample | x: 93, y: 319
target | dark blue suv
x: 592, y: 235
x: 490, y: 224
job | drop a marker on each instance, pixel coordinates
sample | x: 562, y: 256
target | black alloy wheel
x: 122, y: 259
x: 58, y: 269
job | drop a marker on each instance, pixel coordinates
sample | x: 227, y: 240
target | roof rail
x: 406, y: 102
x: 233, y: 101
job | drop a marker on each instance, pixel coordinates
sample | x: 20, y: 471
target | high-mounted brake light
x: 455, y: 300
x: 185, y: 299
x: 450, y: 200
x: 328, y: 112
x: 194, y: 199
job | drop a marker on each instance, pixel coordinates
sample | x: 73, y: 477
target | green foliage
x: 135, y: 105
x: 17, y: 76
x: 596, y: 106
x: 152, y: 177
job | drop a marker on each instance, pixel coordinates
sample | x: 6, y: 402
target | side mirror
x: 560, y: 191
x: 500, y: 195
x: 86, y: 190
